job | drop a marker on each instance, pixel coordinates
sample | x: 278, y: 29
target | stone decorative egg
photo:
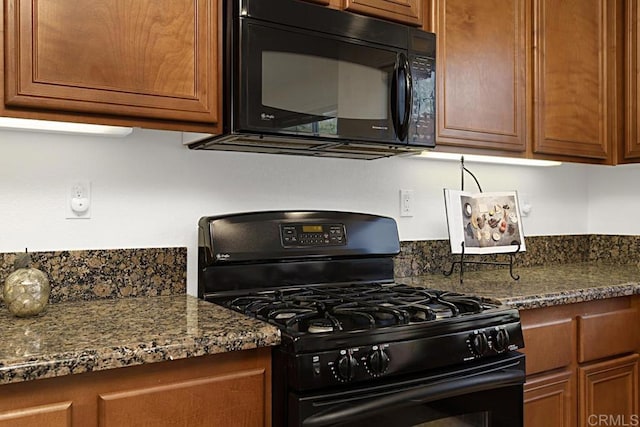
x: 26, y: 290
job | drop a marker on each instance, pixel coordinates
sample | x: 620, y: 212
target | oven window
x: 478, y: 419
x: 499, y: 407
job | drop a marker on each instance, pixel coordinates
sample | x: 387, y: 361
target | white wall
x: 614, y: 199
x: 149, y: 191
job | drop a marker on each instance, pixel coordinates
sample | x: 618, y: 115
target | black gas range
x: 357, y: 347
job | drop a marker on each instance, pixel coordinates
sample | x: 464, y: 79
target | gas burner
x: 319, y: 326
x: 351, y: 307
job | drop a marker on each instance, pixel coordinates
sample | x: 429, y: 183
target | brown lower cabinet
x: 582, y: 363
x: 229, y: 389
x: 549, y: 400
x: 609, y: 390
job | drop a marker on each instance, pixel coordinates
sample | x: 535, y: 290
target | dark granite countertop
x: 541, y: 286
x: 83, y: 336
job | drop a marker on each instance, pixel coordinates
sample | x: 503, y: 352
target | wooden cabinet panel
x: 239, y: 400
x: 632, y: 80
x: 53, y: 415
x: 226, y: 389
x: 609, y: 389
x: 407, y: 11
x: 563, y: 392
x: 549, y: 401
x: 149, y: 58
x: 607, y: 334
x: 574, y: 78
x: 482, y: 92
x: 548, y: 346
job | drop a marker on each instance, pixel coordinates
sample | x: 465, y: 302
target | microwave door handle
x: 408, y: 88
x: 402, y: 73
x: 427, y: 393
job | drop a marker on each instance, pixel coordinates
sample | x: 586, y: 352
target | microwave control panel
x: 422, y: 129
x: 306, y: 235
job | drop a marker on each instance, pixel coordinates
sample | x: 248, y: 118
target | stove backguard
x: 272, y: 249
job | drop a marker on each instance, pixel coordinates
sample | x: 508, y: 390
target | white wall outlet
x: 524, y: 201
x: 78, y: 200
x: 406, y: 202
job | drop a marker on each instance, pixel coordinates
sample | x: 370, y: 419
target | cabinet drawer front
x: 548, y: 346
x: 607, y: 334
x: 238, y: 398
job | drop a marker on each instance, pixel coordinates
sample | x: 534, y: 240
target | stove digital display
x: 306, y: 235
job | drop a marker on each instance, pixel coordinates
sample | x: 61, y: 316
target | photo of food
x: 485, y: 222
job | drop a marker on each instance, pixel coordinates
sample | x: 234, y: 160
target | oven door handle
x: 423, y: 394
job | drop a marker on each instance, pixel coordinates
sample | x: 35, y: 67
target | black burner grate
x: 325, y: 309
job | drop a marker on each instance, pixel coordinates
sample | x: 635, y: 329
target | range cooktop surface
x: 351, y: 307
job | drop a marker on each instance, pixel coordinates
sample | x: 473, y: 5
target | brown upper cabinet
x: 147, y: 60
x: 632, y: 78
x: 481, y: 60
x: 575, y: 77
x: 534, y: 78
x: 405, y: 11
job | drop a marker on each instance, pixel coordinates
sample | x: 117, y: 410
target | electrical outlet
x: 78, y: 200
x: 406, y: 202
x: 524, y: 200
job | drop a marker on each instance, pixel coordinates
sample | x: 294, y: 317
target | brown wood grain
x: 149, y: 59
x: 481, y: 58
x: 550, y: 400
x: 224, y: 389
x: 575, y: 77
x: 609, y: 388
x: 405, y: 11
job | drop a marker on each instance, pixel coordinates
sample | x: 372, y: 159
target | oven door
x: 482, y: 395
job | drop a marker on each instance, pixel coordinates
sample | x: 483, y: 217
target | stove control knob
x: 378, y: 362
x: 479, y: 343
x: 347, y: 365
x: 500, y: 340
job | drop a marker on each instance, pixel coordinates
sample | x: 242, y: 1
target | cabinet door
x: 574, y: 78
x: 481, y: 74
x: 609, y: 389
x: 148, y: 58
x: 407, y: 11
x: 549, y: 401
x: 51, y: 415
x: 632, y: 70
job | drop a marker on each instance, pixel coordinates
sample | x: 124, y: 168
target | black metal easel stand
x: 462, y: 261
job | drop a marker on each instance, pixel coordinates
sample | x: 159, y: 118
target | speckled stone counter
x: 76, y: 337
x: 542, y: 286
x: 83, y: 275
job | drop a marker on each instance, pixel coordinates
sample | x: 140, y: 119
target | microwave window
x: 314, y: 85
x: 324, y: 87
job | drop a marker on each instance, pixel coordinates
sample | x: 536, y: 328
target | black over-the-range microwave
x: 300, y: 78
